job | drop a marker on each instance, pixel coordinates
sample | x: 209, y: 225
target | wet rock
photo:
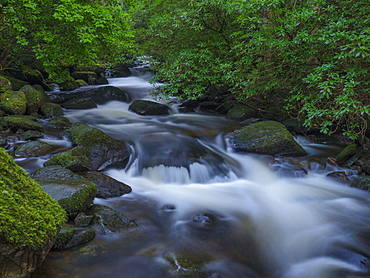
x: 241, y: 112
x: 339, y: 175
x: 80, y: 237
x: 80, y: 103
x: 101, y: 149
x: 73, y: 196
x: 21, y: 122
x: 13, y: 102
x: 346, y: 153
x: 107, y: 186
x: 55, y: 172
x: 49, y: 110
x: 64, y: 236
x: 267, y: 137
x: 83, y: 220
x: 3, y: 143
x: 72, y: 192
x: 107, y: 220
x: 88, y: 76
x: 109, y: 93
x: 35, y: 98
x: 74, y: 160
x: 82, y: 82
x: 146, y: 107
x: 33, y: 148
x: 32, y: 134
x: 60, y: 122
x: 361, y: 183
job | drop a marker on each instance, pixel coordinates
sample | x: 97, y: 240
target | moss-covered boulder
x: 5, y: 85
x: 32, y: 135
x: 17, y: 84
x: 74, y: 160
x: 267, y: 137
x: 49, y: 110
x: 73, y: 193
x: 88, y: 76
x: 101, y: 149
x: 60, y: 122
x: 35, y: 98
x: 241, y: 112
x: 29, y: 219
x: 146, y: 107
x: 21, y: 122
x: 33, y: 148
x: 82, y: 82
x: 346, y: 153
x: 13, y: 102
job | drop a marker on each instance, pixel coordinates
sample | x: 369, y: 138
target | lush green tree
x: 63, y: 32
x: 314, y: 53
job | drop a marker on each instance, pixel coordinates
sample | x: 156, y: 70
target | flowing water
x: 205, y: 211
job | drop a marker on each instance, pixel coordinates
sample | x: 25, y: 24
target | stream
x: 204, y: 210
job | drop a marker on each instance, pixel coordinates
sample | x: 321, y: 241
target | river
x: 205, y: 211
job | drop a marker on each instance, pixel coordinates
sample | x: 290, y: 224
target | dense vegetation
x: 63, y: 33
x: 314, y: 54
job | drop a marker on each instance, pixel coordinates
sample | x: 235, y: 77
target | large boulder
x: 49, y: 110
x: 35, y: 98
x: 267, y: 137
x: 21, y: 122
x: 107, y: 186
x: 109, y: 93
x: 146, y: 107
x: 73, y: 193
x: 101, y: 149
x: 16, y: 84
x: 13, y: 102
x: 88, y: 76
x: 241, y: 112
x: 33, y: 148
x: 29, y: 220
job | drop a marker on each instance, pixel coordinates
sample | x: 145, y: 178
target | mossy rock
x: 50, y: 110
x: 82, y: 82
x: 55, y: 172
x: 107, y: 186
x: 33, y: 76
x: 13, y: 102
x: 21, y: 122
x: 361, y: 183
x: 35, y: 98
x: 75, y: 160
x: 346, y: 153
x: 33, y: 148
x: 267, y: 137
x: 32, y: 134
x: 107, y: 220
x: 81, y: 237
x: 72, y: 195
x: 101, y: 149
x: 68, y: 85
x: 64, y: 236
x: 5, y: 85
x: 60, y: 122
x: 146, y: 107
x: 88, y: 76
x: 80, y: 103
x: 17, y: 84
x: 28, y: 216
x: 241, y: 112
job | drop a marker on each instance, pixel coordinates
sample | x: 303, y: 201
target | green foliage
x: 28, y: 216
x: 63, y: 33
x: 316, y: 54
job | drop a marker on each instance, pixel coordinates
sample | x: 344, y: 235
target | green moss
x: 13, y: 103
x: 74, y: 159
x: 35, y: 98
x: 21, y: 122
x: 28, y: 216
x: 5, y: 85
